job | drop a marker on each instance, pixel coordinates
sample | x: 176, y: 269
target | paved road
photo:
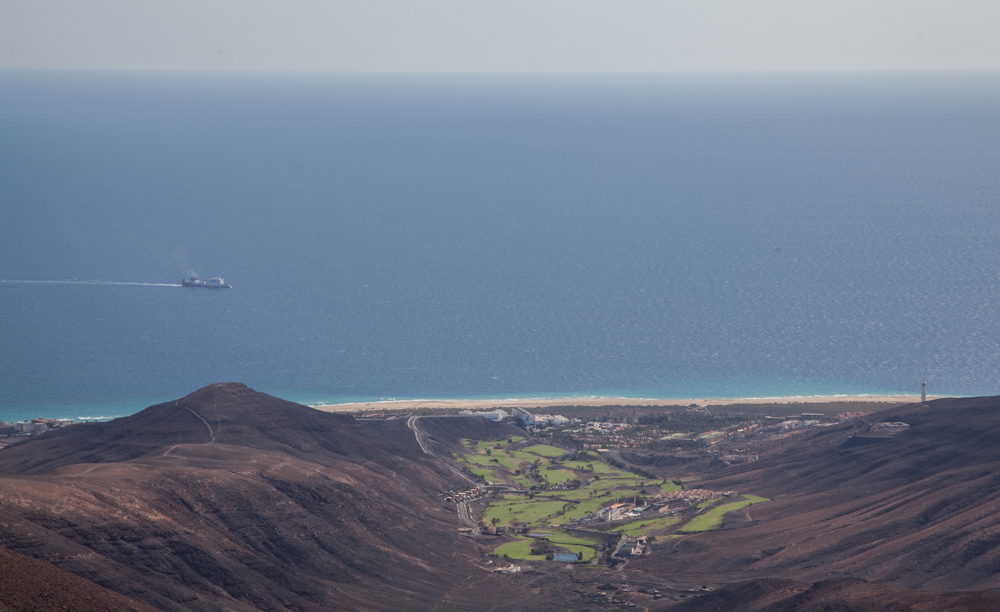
x: 463, y: 514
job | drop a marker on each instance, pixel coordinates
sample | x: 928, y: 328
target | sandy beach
x: 407, y: 405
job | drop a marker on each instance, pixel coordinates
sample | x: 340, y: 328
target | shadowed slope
x: 287, y: 508
x: 840, y: 595
x: 29, y: 585
x: 919, y: 509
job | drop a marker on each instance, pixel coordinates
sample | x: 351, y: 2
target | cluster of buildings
x: 536, y: 420
x: 523, y: 416
x: 464, y: 495
x: 673, y: 502
x: 666, y: 504
x: 615, y: 512
x: 34, y: 426
x: 631, y: 547
x: 604, y: 434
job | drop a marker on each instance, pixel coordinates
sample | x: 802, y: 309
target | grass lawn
x: 599, y: 466
x: 577, y: 494
x: 592, y: 505
x: 523, y: 456
x: 521, y: 549
x: 552, y: 476
x: 588, y: 552
x: 639, y: 528
x: 545, y: 450
x: 574, y: 544
x: 524, y: 481
x: 527, y: 512
x: 508, y: 462
x: 485, y: 473
x: 576, y: 512
x: 561, y: 537
x: 482, y: 446
x: 481, y: 460
x: 714, y: 517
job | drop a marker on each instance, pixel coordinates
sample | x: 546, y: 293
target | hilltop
x: 232, y: 499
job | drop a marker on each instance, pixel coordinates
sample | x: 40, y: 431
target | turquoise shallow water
x: 495, y: 237
x: 731, y: 389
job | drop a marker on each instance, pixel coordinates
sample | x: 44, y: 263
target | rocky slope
x: 918, y: 509
x: 30, y: 585
x: 232, y: 499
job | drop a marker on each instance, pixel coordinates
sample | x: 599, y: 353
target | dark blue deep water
x: 469, y: 237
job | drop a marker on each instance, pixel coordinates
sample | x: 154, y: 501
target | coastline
x: 486, y: 404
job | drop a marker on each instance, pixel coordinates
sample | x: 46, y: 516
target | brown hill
x: 838, y: 595
x: 30, y: 585
x: 918, y: 509
x: 232, y: 499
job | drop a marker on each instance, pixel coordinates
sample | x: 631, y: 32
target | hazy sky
x: 501, y: 36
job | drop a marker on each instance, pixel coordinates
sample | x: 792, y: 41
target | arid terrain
x: 230, y: 499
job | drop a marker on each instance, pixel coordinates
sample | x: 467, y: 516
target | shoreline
x: 486, y: 404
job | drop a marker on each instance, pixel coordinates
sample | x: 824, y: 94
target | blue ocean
x: 451, y: 237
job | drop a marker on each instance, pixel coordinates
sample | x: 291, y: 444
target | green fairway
x: 667, y: 488
x: 508, y: 462
x: 561, y: 537
x: 523, y: 456
x: 714, y: 517
x: 521, y: 549
x: 528, y: 512
x: 483, y: 472
x: 590, y: 467
x: 639, y: 528
x: 578, y: 494
x: 546, y: 509
x: 523, y: 481
x: 588, y: 552
x: 481, y: 460
x: 552, y: 476
x: 545, y: 450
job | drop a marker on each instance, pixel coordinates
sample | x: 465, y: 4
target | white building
x: 524, y: 416
x: 493, y: 415
x: 30, y: 427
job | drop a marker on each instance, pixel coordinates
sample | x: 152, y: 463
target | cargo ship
x: 212, y: 283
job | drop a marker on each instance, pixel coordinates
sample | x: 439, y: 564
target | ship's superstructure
x: 212, y: 283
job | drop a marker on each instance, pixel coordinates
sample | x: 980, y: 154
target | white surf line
x: 76, y: 282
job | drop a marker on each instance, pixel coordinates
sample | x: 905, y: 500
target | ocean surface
x: 448, y: 237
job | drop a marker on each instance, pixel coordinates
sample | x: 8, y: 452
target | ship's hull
x: 185, y: 283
